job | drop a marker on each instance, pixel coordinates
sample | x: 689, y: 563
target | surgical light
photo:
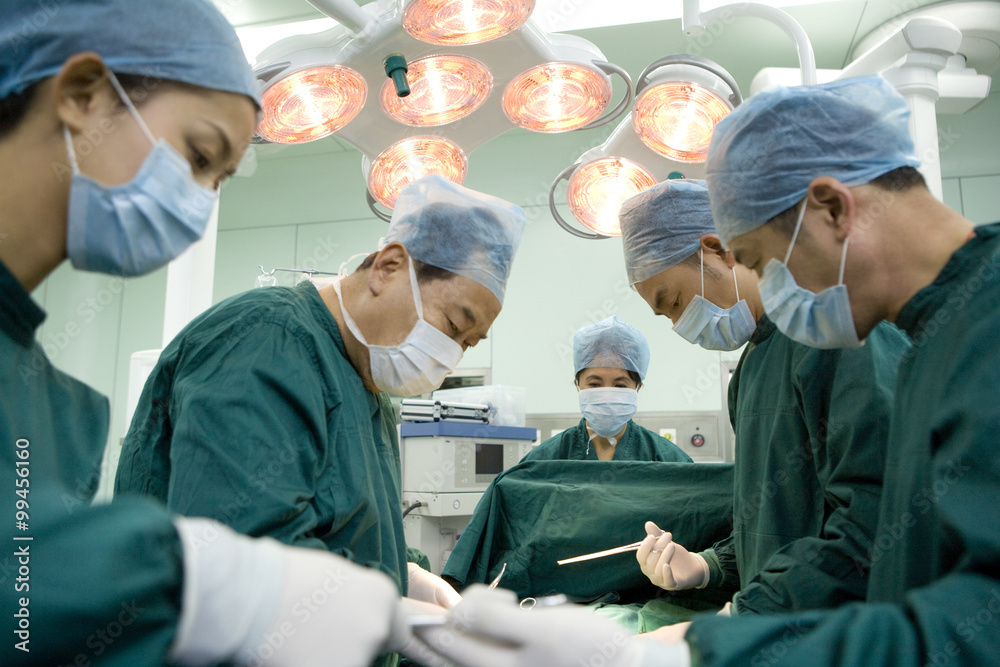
x: 443, y: 89
x: 452, y: 99
x: 407, y: 160
x: 455, y: 22
x: 679, y: 101
x: 311, y: 104
x: 676, y: 119
x: 597, y: 189
x: 556, y: 97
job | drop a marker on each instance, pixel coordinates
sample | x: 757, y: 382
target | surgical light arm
x: 694, y: 22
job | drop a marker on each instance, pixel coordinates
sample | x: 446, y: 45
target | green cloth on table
x: 103, y: 583
x: 934, y: 590
x: 538, y: 512
x: 638, y: 444
x: 811, y: 427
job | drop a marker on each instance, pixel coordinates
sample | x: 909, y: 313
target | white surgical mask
x: 417, y: 365
x: 821, y: 320
x: 714, y: 328
x: 608, y: 409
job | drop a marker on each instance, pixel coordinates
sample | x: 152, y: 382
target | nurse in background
x: 118, y: 122
x: 610, y: 359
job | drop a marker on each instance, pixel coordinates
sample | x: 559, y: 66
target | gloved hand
x: 488, y: 629
x: 428, y: 587
x: 259, y: 602
x: 668, y: 634
x: 668, y: 564
x: 403, y: 640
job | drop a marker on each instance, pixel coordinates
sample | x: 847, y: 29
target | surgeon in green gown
x: 809, y: 423
x: 609, y: 355
x: 829, y: 172
x: 118, y: 122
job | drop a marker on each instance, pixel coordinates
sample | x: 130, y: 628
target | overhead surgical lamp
x: 457, y: 22
x: 678, y: 101
x: 496, y: 71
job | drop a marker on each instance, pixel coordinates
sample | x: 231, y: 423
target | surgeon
x: 118, y: 122
x: 809, y: 423
x: 793, y: 175
x: 610, y: 359
x: 270, y: 411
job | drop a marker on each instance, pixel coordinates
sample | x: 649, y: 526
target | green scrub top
x: 934, y: 591
x: 810, y: 431
x: 254, y: 416
x: 83, y: 584
x: 638, y: 444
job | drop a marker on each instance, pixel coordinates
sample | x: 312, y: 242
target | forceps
x: 497, y: 580
x: 601, y: 554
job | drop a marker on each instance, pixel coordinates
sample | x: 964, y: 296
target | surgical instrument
x: 601, y: 554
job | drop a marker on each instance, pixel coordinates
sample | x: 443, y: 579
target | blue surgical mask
x: 821, y: 320
x: 714, y: 328
x: 608, y: 409
x: 134, y: 228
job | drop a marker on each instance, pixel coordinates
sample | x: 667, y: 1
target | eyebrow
x: 661, y: 296
x: 227, y: 146
x: 471, y: 319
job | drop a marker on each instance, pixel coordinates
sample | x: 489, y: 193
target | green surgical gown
x: 638, y: 444
x: 254, y: 416
x: 98, y: 584
x: 934, y: 590
x: 810, y: 431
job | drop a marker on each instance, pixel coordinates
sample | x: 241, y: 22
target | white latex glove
x: 668, y: 634
x: 260, y: 602
x: 727, y: 610
x: 404, y: 641
x: 668, y: 564
x: 488, y: 629
x: 428, y: 587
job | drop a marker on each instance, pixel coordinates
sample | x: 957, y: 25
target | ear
x: 711, y: 244
x: 80, y: 89
x: 389, y: 261
x: 835, y: 204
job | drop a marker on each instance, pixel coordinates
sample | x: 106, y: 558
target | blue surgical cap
x: 451, y: 227
x: 610, y: 343
x: 663, y: 226
x: 179, y: 40
x: 765, y: 153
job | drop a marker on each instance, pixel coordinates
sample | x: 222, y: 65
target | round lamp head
x: 311, y: 104
x: 443, y: 89
x: 676, y: 114
x: 598, y: 188
x: 412, y: 158
x: 454, y: 22
x: 556, y: 97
